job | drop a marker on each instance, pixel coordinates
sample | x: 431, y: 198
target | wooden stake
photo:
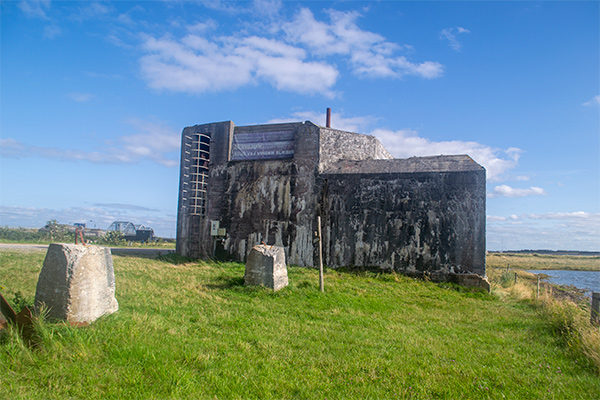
x: 321, y: 283
x: 595, y: 308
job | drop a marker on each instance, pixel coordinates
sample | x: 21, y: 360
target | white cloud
x: 522, y: 178
x: 572, y: 216
x: 203, y: 27
x: 40, y: 9
x: 268, y: 8
x: 52, y: 31
x: 33, y: 217
x: 555, y: 231
x: 117, y: 41
x: 294, y: 57
x: 507, y: 191
x: 407, y: 143
x: 11, y: 148
x: 194, y: 64
x: 369, y: 53
x: 154, y: 142
x: 224, y: 6
x: 35, y: 8
x: 342, y: 36
x: 338, y: 120
x: 594, y: 102
x: 121, y: 206
x: 91, y: 10
x: 99, y: 216
x: 449, y: 34
x: 80, y: 97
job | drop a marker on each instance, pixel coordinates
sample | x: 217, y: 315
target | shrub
x: 20, y: 301
x: 113, y: 238
x: 21, y: 235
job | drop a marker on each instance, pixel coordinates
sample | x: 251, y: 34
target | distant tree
x: 113, y: 238
x: 55, y: 230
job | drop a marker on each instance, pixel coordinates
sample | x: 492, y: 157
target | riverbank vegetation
x: 55, y: 233
x: 191, y: 329
x: 543, y: 261
x: 566, y: 308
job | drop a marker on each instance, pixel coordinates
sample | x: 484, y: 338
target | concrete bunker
x: 241, y: 186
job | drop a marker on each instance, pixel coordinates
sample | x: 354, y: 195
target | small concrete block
x: 77, y: 283
x: 473, y: 280
x: 266, y: 267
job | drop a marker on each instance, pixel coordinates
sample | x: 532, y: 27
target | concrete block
x: 77, y: 283
x: 473, y: 280
x: 266, y: 267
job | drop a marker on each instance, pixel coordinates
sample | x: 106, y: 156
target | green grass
x: 192, y: 330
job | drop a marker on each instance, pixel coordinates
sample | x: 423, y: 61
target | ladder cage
x: 196, y: 157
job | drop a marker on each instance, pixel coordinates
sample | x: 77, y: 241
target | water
x: 587, y: 280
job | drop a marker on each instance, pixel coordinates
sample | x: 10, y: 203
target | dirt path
x: 119, y: 251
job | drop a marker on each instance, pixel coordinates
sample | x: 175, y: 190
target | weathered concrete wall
x: 267, y: 128
x: 413, y: 215
x: 420, y: 221
x: 193, y: 231
x: 274, y: 202
x: 338, y: 145
x: 259, y: 205
x: 454, y: 163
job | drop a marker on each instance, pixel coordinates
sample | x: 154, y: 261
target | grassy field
x: 543, y: 261
x: 195, y: 331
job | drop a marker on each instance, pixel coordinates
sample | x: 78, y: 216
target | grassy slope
x: 194, y: 331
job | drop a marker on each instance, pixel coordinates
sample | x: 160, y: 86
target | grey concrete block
x: 266, y: 267
x: 473, y: 280
x: 77, y: 282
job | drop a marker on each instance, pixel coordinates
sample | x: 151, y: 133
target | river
x: 587, y: 280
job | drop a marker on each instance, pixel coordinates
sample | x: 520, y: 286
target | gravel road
x: 119, y: 251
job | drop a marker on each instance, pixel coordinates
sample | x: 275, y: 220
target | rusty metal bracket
x: 7, y: 310
x: 23, y: 320
x: 79, y: 231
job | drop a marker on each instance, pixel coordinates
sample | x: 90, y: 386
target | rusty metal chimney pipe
x: 328, y: 124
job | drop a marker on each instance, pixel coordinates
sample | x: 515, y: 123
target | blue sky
x: 94, y: 96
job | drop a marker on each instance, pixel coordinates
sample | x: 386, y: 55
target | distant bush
x: 22, y: 235
x: 113, y: 238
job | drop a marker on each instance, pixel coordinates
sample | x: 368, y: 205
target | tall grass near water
x: 193, y: 330
x: 567, y: 309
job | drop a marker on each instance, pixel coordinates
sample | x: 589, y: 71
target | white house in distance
x: 132, y: 232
